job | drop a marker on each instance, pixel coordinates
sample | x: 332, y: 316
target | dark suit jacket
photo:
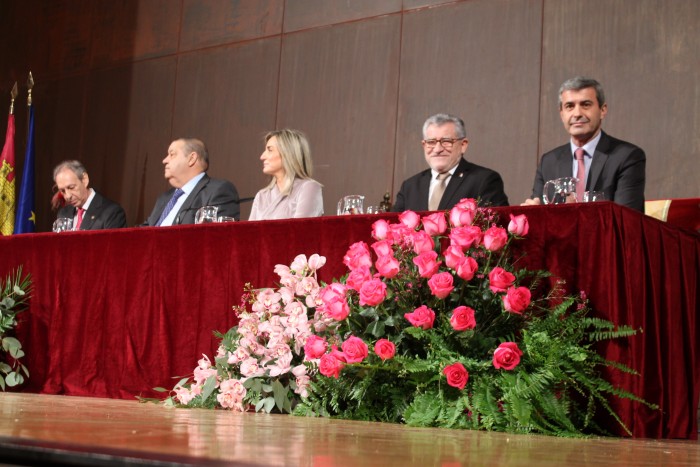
x: 102, y: 214
x: 617, y: 169
x: 468, y: 181
x: 207, y: 192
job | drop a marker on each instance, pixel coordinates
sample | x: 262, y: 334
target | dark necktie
x: 169, y: 206
x: 581, y: 174
x: 438, y: 191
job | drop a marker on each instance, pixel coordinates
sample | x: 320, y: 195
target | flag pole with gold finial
x: 7, y: 172
x: 25, y: 220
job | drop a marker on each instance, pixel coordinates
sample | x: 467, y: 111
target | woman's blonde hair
x: 296, y: 156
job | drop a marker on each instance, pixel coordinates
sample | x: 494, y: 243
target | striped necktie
x: 169, y: 206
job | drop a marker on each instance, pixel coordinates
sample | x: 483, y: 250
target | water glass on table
x: 63, y: 224
x: 206, y: 214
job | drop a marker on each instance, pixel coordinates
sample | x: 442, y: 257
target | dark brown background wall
x: 117, y: 80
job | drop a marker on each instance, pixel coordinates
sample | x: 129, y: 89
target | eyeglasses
x: 446, y: 143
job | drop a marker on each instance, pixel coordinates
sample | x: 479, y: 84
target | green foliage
x: 14, y: 298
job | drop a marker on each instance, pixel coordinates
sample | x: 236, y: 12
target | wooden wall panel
x: 214, y: 22
x: 339, y: 86
x: 645, y: 53
x: 480, y: 61
x: 413, y: 4
x: 305, y: 14
x: 227, y: 97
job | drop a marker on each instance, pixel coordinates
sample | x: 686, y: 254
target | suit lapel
x: 599, y: 159
x: 189, y: 202
x: 424, y: 190
x: 458, y: 177
x: 91, y: 213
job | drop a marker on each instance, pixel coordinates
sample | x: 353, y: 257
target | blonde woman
x: 291, y: 192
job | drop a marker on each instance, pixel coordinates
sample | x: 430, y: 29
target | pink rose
x: 421, y: 317
x: 517, y: 299
x: 330, y: 366
x: 385, y: 349
x: 358, y: 277
x: 518, y: 225
x: 441, y: 284
x: 465, y: 237
x: 334, y: 303
x: 500, y: 280
x: 410, y: 219
x: 467, y: 203
x: 427, y: 264
x: 467, y: 268
x: 435, y: 224
x: 380, y: 229
x: 453, y: 256
x: 495, y: 238
x: 354, y: 349
x: 463, y: 318
x: 315, y: 347
x: 357, y: 256
x: 422, y: 242
x: 457, y: 375
x: 372, y: 292
x: 398, y: 233
x: 462, y: 215
x: 387, y: 266
x: 507, y: 356
x: 383, y: 248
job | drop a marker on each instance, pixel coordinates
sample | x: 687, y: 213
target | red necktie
x: 580, y: 174
x: 79, y: 221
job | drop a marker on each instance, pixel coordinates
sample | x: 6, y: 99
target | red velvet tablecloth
x: 117, y: 313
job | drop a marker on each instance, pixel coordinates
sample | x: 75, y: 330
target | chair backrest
x: 681, y: 212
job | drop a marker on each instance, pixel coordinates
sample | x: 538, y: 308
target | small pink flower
x: 517, y: 299
x: 387, y: 266
x: 466, y: 237
x: 315, y: 347
x: 422, y: 242
x: 354, y: 349
x: 463, y: 318
x: 507, y: 356
x: 383, y: 248
x: 421, y: 317
x: 380, y: 229
x: 330, y: 366
x: 453, y: 256
x: 372, y: 292
x: 500, y: 280
x: 467, y: 268
x: 495, y: 238
x: 410, y: 219
x: 357, y: 256
x: 463, y: 213
x: 435, y: 224
x: 385, y: 349
x: 441, y: 284
x: 457, y: 375
x: 357, y: 277
x: 518, y: 225
x: 427, y: 263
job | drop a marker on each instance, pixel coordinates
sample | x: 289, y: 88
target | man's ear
x: 85, y: 179
x: 192, y: 159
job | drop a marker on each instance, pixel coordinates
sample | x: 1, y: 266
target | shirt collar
x: 189, y: 186
x: 589, y: 147
x: 86, y: 204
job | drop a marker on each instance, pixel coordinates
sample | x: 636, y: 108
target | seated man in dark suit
x: 450, y: 177
x: 607, y: 164
x: 186, y: 165
x: 88, y: 209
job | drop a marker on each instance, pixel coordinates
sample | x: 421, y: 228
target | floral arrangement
x: 432, y: 326
x: 14, y: 297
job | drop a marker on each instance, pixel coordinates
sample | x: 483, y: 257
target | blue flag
x: 25, y: 220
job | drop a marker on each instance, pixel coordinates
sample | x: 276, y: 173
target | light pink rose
x: 427, y: 263
x: 495, y: 238
x: 354, y: 349
x: 457, y: 375
x: 517, y: 299
x: 410, y: 219
x: 462, y: 214
x: 399, y: 234
x: 357, y: 256
x: 435, y: 224
x: 387, y: 266
x: 372, y: 292
x: 383, y: 248
x: 380, y: 229
x: 441, y: 284
x: 453, y: 256
x: 422, y: 242
x: 467, y: 268
x: 465, y: 237
x: 500, y: 280
x: 507, y: 356
x: 385, y: 349
x: 463, y: 318
x: 421, y: 317
x: 518, y: 225
x: 357, y: 277
x: 334, y: 302
x: 315, y: 347
x: 330, y: 366
x: 467, y: 203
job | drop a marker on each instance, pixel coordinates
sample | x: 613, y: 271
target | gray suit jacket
x: 617, y: 169
x: 468, y: 181
x: 102, y: 214
x: 207, y: 192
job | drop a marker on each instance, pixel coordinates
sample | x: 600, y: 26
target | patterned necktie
x: 580, y: 174
x: 169, y: 206
x: 438, y: 191
x: 79, y: 220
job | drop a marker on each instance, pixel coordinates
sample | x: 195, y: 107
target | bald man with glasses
x: 450, y: 177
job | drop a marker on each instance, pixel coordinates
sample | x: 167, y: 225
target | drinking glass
x: 226, y: 219
x: 560, y: 190
x: 351, y: 204
x: 374, y: 210
x: 63, y: 224
x: 206, y: 214
x: 591, y: 196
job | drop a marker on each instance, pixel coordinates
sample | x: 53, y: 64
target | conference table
x: 116, y: 313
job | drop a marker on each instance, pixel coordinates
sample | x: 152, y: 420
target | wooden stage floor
x: 63, y: 430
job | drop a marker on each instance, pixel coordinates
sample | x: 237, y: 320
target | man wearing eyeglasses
x: 450, y: 177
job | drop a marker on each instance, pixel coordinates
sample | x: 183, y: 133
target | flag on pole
x: 7, y: 180
x: 25, y: 221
